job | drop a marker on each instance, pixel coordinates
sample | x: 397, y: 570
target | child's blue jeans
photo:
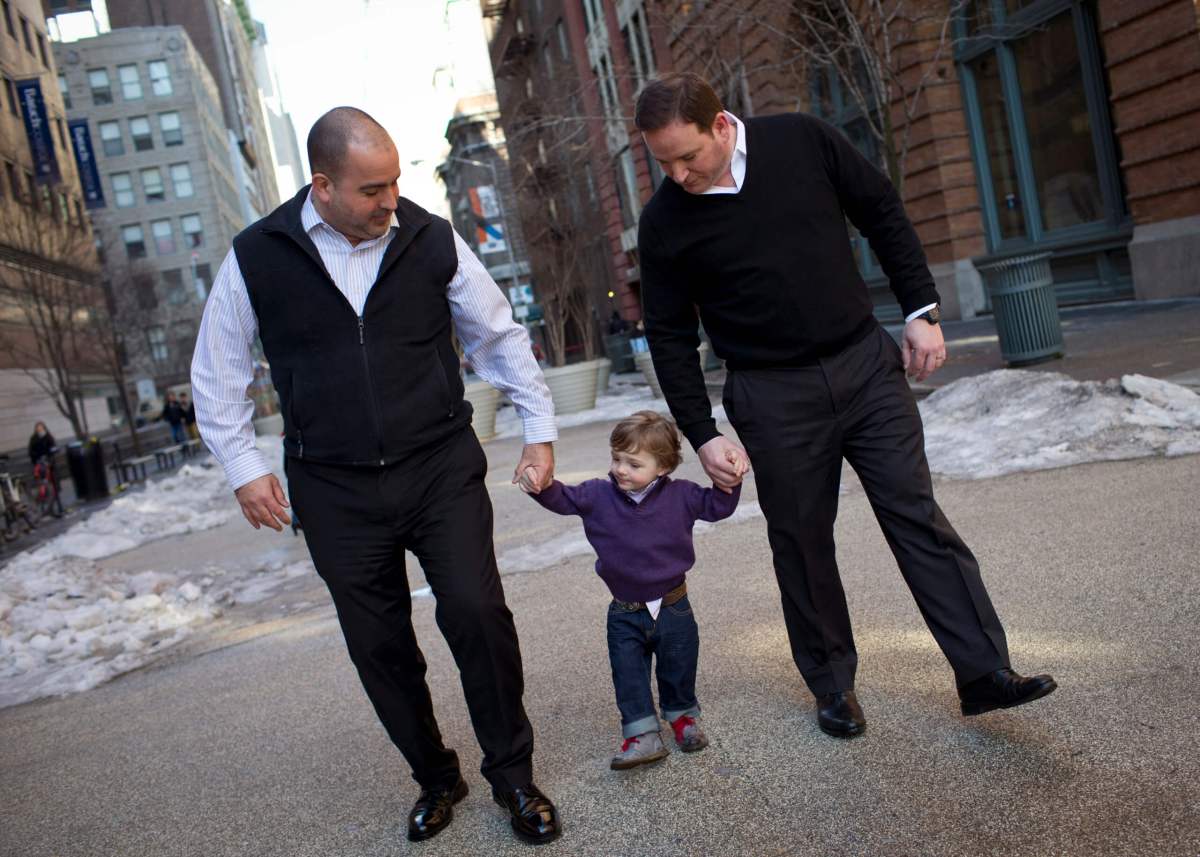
x: 633, y: 639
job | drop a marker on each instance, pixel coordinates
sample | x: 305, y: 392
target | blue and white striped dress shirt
x: 223, y: 363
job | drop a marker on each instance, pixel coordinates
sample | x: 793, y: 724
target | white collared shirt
x: 737, y: 166
x: 223, y: 363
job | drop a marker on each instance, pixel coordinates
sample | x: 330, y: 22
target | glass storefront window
x: 1058, y: 126
x: 1010, y: 215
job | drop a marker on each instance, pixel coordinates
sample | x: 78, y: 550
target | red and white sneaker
x: 688, y: 734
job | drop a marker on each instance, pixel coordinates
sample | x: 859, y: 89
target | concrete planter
x: 271, y: 426
x: 604, y: 368
x: 573, y: 387
x: 484, y: 399
x: 646, y: 365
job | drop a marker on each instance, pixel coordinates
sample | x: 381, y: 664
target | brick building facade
x: 1067, y: 126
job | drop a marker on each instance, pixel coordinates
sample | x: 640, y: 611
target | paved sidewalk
x: 260, y: 741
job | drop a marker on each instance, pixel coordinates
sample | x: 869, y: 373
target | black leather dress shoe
x: 1003, y: 689
x: 534, y: 818
x: 434, y: 810
x: 839, y: 714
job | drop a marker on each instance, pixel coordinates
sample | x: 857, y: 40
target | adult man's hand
x: 725, y: 462
x: 923, y: 348
x: 535, y: 470
x: 263, y: 502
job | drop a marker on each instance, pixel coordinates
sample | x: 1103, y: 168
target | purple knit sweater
x: 643, y: 550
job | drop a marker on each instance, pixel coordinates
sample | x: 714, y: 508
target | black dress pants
x: 798, y: 424
x: 358, y: 523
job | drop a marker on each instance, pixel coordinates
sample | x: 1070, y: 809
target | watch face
x: 934, y: 315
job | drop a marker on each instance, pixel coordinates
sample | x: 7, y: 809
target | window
x: 160, y: 77
x: 172, y: 131
x: 131, y: 82
x: 110, y: 139
x: 14, y: 181
x: 164, y: 237
x: 181, y: 178
x: 152, y: 184
x: 636, y: 37
x: 100, y: 85
x: 203, y: 281
x: 564, y: 50
x: 139, y: 129
x: 173, y: 287
x: 184, y: 335
x: 11, y: 90
x: 135, y: 241
x: 62, y: 134
x: 1041, y: 129
x: 64, y: 91
x: 31, y: 189
x: 157, y: 339
x: 78, y: 211
x: 64, y: 208
x: 25, y: 35
x: 45, y: 202
x: 8, y: 24
x: 193, y: 231
x: 42, y: 50
x: 628, y: 189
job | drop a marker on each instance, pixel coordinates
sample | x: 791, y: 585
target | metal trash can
x: 616, y: 347
x: 85, y: 462
x: 1025, y: 307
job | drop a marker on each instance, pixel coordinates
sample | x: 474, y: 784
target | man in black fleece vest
x: 750, y: 229
x: 353, y: 290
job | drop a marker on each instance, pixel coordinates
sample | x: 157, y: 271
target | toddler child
x: 640, y: 521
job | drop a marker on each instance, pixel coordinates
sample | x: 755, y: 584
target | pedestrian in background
x: 172, y: 415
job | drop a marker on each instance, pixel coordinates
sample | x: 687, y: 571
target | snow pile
x: 68, y: 624
x: 1015, y: 420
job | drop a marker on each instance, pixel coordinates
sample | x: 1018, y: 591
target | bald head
x: 333, y: 134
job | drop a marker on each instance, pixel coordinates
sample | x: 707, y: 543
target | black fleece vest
x: 357, y: 390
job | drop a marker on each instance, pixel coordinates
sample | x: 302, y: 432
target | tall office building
x: 223, y: 34
x: 171, y: 202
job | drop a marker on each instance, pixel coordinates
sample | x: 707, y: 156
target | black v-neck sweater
x: 771, y: 268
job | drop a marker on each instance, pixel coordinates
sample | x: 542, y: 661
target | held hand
x: 725, y: 462
x: 535, y: 470
x: 923, y: 348
x: 263, y: 502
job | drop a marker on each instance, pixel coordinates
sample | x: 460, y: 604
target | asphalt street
x: 255, y: 738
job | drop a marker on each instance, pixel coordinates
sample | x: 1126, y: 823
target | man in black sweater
x: 750, y: 229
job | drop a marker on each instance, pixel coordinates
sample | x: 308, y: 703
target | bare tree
x: 885, y: 54
x: 550, y: 162
x: 49, y: 292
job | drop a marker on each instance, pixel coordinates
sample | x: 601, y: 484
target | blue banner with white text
x: 37, y: 129
x: 85, y: 160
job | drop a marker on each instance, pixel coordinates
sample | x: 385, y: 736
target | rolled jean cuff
x: 639, y: 727
x: 672, y: 716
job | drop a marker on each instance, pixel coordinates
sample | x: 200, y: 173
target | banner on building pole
x: 85, y: 160
x: 37, y: 130
x: 489, y: 237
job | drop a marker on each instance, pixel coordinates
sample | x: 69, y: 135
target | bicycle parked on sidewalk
x: 46, y: 497
x: 16, y: 502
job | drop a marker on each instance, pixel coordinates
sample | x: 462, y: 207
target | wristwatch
x: 933, y: 315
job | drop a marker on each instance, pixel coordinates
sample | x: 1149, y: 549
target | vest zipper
x: 300, y: 440
x: 371, y: 388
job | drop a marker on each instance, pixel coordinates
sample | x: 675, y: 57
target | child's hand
x: 738, y: 461
x: 529, y: 480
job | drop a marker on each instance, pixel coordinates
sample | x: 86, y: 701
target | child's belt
x: 670, y: 598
